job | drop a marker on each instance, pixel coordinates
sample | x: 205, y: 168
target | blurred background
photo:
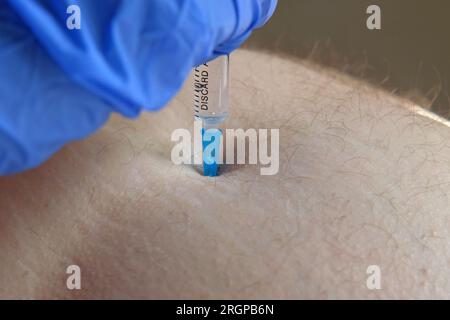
x: 409, y: 56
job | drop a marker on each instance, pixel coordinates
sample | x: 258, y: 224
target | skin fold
x: 363, y: 181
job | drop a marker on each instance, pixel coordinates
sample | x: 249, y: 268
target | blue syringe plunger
x: 211, y: 151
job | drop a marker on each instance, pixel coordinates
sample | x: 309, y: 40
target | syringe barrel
x: 211, y: 92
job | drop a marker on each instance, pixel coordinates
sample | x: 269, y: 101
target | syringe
x: 211, y: 106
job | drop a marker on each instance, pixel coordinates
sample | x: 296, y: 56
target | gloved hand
x: 59, y: 85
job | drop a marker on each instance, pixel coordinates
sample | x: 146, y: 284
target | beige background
x: 409, y: 55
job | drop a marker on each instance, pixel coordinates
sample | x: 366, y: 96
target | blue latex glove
x: 59, y: 85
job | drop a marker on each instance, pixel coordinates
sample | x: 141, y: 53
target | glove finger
x: 234, y: 20
x: 41, y: 109
x: 137, y: 53
x: 132, y: 53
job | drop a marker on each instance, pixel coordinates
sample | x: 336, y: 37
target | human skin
x: 363, y: 181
